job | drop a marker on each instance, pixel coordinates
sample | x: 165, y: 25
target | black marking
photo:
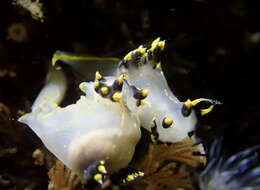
x: 168, y: 143
x: 198, y: 154
x: 185, y: 110
x: 191, y: 133
x: 149, y: 55
x: 139, y: 103
x: 116, y: 86
x: 155, y: 66
x: 137, y: 93
x: 135, y: 58
x: 103, y: 79
x: 155, y: 55
x: 124, y: 64
x: 143, y: 60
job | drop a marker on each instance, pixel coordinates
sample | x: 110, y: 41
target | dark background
x: 212, y: 50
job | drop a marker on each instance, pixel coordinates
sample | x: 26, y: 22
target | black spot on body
x: 185, y: 110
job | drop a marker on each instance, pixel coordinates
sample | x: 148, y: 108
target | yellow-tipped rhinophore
x: 102, y: 169
x: 125, y: 76
x: 167, y: 122
x: 140, y: 50
x: 128, y: 56
x: 189, y: 104
x: 98, y: 178
x: 158, y: 66
x: 98, y: 76
x: 157, y: 43
x: 102, y: 162
x: 144, y: 92
x: 206, y: 111
x: 104, y: 90
x: 120, y: 79
x: 82, y: 86
x: 154, y: 138
x: 130, y: 177
x: 96, y: 84
x: 143, y: 102
x: 116, y: 97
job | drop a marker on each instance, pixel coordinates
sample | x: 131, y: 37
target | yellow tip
x: 140, y: 50
x: 125, y: 76
x: 82, y: 86
x: 96, y: 84
x: 206, y: 111
x: 195, y: 102
x: 154, y: 139
x: 154, y: 44
x: 144, y: 92
x: 143, y: 102
x: 116, y: 97
x: 168, y: 121
x: 98, y: 76
x: 188, y: 104
x: 104, y: 90
x: 157, y: 43
x: 102, y: 162
x: 102, y: 169
x: 141, y: 173
x: 120, y: 79
x: 54, y: 60
x: 130, y: 177
x: 98, y: 177
x: 158, y: 66
x: 161, y: 44
x: 128, y: 57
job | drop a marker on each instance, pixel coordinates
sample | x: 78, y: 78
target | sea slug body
x: 92, y: 130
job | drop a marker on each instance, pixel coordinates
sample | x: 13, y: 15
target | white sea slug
x: 169, y: 119
x: 94, y: 137
x: 239, y: 172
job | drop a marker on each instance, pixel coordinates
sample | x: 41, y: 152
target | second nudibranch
x: 240, y: 171
x: 169, y: 119
x: 94, y: 137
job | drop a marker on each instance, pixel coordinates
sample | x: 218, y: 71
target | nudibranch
x: 240, y: 171
x: 95, y: 136
x: 164, y: 115
x: 169, y: 119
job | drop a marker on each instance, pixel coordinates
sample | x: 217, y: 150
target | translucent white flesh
x: 91, y: 129
x: 161, y: 103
